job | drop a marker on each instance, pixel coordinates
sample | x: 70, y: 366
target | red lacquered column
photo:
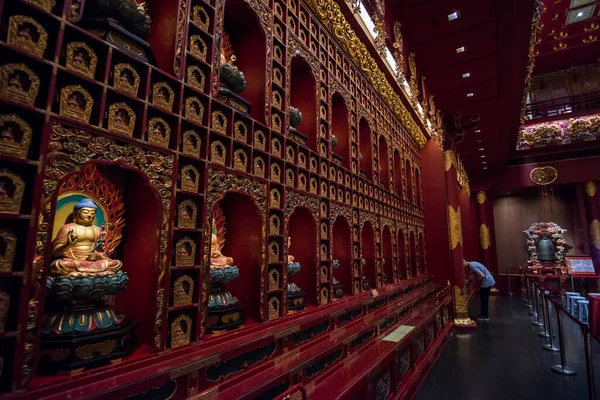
x: 461, y: 294
x: 487, y: 238
x: 592, y: 213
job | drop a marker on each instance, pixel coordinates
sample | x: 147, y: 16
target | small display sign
x: 397, y: 334
x: 581, y: 265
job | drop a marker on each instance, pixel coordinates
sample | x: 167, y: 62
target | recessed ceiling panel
x: 580, y: 14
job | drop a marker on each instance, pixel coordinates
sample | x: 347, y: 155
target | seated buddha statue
x: 79, y: 245
x: 217, y: 259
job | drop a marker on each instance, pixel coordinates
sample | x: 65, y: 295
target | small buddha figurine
x: 125, y: 77
x: 79, y: 245
x: 6, y: 135
x: 217, y: 259
x: 14, y: 81
x: 159, y: 129
x: 290, y: 257
x: 81, y: 58
x: 74, y: 101
x: 25, y: 33
x: 3, y: 190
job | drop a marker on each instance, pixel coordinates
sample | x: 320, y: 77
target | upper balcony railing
x: 551, y: 109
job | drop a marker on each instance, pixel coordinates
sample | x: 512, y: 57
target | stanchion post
x: 533, y: 300
x: 536, y: 314
x: 562, y: 367
x: 528, y: 301
x: 589, y: 366
x: 549, y: 346
x: 508, y: 274
x: 544, y: 333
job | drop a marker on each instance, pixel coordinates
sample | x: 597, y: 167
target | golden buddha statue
x: 79, y: 245
x: 217, y: 259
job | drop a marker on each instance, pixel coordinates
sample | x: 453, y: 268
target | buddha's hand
x: 71, y: 237
x: 94, y: 256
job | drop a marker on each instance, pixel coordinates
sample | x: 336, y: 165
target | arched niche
x: 340, y: 128
x: 418, y: 188
x: 388, y: 254
x: 402, y: 267
x: 366, y: 148
x: 409, y: 185
x: 397, y: 173
x: 384, y: 162
x: 243, y: 244
x: 369, y: 254
x: 302, y: 231
x: 342, y: 251
x: 412, y: 248
x: 303, y: 96
x: 142, y: 220
x: 422, y: 254
x: 249, y: 45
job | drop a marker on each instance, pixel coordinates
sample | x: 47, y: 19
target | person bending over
x: 487, y: 281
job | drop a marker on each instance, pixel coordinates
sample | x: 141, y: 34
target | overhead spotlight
x: 466, y: 75
x: 453, y: 16
x: 484, y: 167
x: 579, y: 14
x: 483, y: 163
x: 477, y: 130
x: 483, y: 156
x: 470, y: 94
x: 461, y: 49
x: 481, y: 149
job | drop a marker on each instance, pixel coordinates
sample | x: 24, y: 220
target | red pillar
x: 435, y: 205
x: 469, y: 223
x: 461, y: 293
x: 592, y: 213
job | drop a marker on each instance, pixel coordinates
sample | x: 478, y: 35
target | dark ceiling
x: 495, y: 35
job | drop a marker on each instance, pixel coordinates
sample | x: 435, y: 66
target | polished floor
x: 504, y: 360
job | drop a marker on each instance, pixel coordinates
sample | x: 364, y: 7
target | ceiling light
x: 483, y: 162
x: 484, y: 167
x: 470, y: 94
x: 461, y: 49
x: 453, y: 16
x: 480, y: 141
x: 466, y: 74
x: 579, y: 14
x: 483, y: 156
x: 477, y: 130
x: 481, y: 149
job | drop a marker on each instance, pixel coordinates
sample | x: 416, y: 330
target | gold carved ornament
x: 181, y: 331
x: 46, y: 5
x: 163, y: 96
x: 81, y: 59
x: 484, y: 236
x: 15, y: 136
x: 11, y: 192
x: 159, y: 132
x: 121, y: 119
x: 481, y: 197
x: 9, y: 242
x: 76, y: 103
x: 195, y: 77
x: 328, y: 11
x: 191, y: 143
x: 590, y: 189
x: 19, y: 83
x: 4, y: 307
x: 455, y: 227
x: 22, y: 31
x: 543, y: 175
x: 126, y: 79
x: 183, y: 291
x: 595, y: 233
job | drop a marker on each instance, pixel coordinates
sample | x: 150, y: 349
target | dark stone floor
x: 504, y: 360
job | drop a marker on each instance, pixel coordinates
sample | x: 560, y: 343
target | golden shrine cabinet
x: 204, y: 199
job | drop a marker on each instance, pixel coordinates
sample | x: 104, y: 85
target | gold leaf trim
x: 455, y: 226
x: 484, y: 236
x: 330, y: 14
x: 590, y: 189
x: 481, y: 197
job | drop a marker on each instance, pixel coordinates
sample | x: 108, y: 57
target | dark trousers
x: 484, y: 294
